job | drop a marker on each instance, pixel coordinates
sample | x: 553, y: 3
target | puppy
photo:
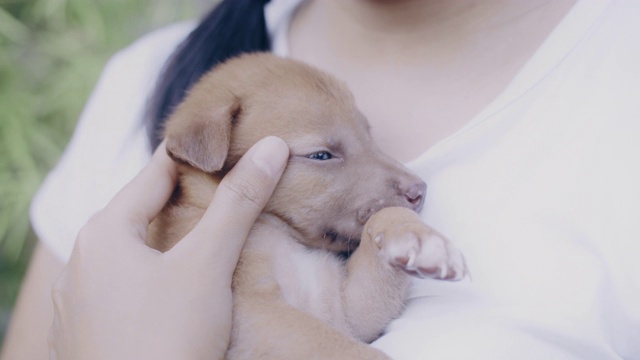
x: 325, y: 267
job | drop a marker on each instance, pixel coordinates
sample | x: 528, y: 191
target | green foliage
x: 51, y: 53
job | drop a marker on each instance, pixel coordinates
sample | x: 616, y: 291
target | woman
x: 520, y: 115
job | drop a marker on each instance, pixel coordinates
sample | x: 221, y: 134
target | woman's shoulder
x: 154, y: 47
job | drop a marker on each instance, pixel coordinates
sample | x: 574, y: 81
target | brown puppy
x: 295, y: 296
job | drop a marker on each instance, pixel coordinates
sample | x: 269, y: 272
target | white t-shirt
x: 541, y: 191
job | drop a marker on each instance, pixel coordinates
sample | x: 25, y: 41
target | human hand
x: 119, y: 299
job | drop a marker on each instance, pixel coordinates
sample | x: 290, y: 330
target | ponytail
x: 230, y: 29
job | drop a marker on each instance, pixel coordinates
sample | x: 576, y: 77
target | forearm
x: 32, y: 316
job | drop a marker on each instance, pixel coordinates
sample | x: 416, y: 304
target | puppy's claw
x: 443, y: 271
x: 412, y: 259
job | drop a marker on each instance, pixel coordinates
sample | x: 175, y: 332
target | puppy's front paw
x: 406, y: 243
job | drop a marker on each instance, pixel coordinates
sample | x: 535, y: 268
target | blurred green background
x: 51, y: 53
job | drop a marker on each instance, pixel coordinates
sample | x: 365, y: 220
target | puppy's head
x: 336, y: 177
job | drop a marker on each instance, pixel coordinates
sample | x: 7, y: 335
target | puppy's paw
x: 412, y: 246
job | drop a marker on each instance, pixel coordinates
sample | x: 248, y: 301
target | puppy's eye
x: 321, y: 155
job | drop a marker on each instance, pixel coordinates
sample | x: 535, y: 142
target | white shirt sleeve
x: 109, y: 145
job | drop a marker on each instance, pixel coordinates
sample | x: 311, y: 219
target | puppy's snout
x: 414, y: 194
x: 409, y: 192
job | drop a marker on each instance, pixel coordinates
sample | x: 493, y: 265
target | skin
x: 424, y: 57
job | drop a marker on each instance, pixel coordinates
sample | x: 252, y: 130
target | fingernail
x: 271, y: 154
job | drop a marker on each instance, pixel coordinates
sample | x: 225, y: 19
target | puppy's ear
x: 199, y: 132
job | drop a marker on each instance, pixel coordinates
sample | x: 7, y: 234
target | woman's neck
x: 367, y: 31
x: 422, y: 69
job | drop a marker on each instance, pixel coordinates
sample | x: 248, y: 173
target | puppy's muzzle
x: 410, y: 195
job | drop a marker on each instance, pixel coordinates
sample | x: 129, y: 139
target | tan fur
x: 294, y: 296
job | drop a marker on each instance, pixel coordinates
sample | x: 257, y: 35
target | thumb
x: 237, y: 202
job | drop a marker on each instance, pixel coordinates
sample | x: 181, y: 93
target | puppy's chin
x: 334, y: 241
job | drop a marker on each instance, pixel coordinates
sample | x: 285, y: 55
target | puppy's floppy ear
x: 199, y: 131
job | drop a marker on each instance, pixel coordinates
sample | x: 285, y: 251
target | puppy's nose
x: 415, y: 194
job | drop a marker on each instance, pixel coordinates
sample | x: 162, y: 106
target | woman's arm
x: 27, y: 334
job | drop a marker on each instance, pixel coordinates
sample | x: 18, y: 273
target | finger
x: 238, y: 201
x: 145, y: 195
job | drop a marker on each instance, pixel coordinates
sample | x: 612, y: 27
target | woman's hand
x: 119, y: 299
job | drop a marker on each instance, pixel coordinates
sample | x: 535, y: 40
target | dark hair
x: 233, y: 27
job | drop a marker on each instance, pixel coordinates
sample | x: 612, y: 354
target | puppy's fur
x: 320, y: 275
